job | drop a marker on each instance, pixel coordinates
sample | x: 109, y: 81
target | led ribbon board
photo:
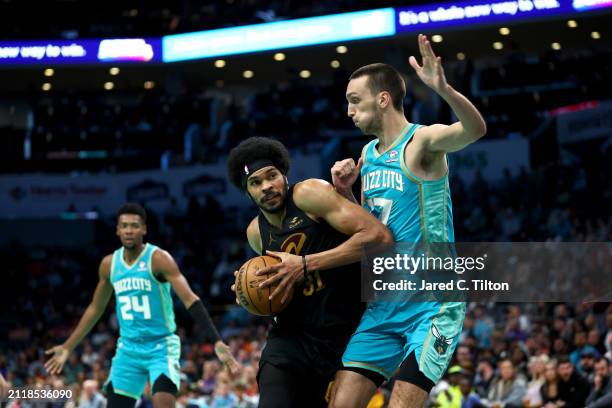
x: 279, y: 35
x: 80, y: 51
x: 456, y: 14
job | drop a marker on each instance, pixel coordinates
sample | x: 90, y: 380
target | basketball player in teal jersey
x: 404, y: 175
x: 141, y: 275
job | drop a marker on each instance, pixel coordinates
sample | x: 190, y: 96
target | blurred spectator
x: 483, y: 326
x: 509, y: 388
x: 209, y: 377
x: 243, y: 399
x: 91, y: 396
x: 485, y: 374
x: 573, y: 388
x: 549, y: 391
x: 587, y: 365
x: 601, y: 394
x: 451, y: 396
x: 536, y: 367
x: 223, y: 397
x: 581, y: 346
x: 469, y: 397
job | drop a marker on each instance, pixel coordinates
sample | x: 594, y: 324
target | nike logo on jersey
x: 383, y: 179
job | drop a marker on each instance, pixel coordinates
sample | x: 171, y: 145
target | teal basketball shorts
x: 390, y: 331
x: 137, y: 361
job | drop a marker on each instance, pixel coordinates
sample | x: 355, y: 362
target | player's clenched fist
x: 345, y: 172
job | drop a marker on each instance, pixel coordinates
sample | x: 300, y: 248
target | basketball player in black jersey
x: 318, y: 236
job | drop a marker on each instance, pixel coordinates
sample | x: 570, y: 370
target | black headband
x: 252, y: 167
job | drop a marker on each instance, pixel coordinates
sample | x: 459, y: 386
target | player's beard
x: 281, y: 204
x: 375, y: 126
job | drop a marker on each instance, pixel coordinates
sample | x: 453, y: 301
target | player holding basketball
x: 317, y: 235
x: 141, y: 274
x: 417, y: 208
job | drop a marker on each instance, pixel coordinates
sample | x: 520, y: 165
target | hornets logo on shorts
x: 442, y: 342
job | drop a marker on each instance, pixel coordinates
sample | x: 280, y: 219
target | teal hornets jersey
x: 144, y: 304
x: 414, y: 210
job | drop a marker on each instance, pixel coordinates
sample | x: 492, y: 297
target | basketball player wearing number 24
x: 318, y: 236
x: 413, y: 200
x: 141, y: 275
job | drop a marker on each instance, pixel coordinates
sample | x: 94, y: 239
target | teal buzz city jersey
x: 414, y: 210
x: 144, y: 304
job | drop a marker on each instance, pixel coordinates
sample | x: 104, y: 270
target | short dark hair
x: 564, y: 359
x: 254, y: 149
x: 383, y: 77
x: 133, y: 208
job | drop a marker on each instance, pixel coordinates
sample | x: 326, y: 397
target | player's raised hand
x: 56, y: 363
x: 345, y: 172
x: 224, y: 354
x: 431, y: 72
x: 289, y: 271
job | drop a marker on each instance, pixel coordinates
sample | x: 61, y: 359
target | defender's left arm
x: 164, y: 265
x: 470, y: 127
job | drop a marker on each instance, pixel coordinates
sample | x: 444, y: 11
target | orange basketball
x: 250, y: 296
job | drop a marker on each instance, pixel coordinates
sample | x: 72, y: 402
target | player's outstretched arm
x: 164, y: 265
x: 319, y: 199
x: 92, y: 314
x: 470, y: 127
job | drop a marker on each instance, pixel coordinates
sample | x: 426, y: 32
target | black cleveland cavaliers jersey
x: 326, y: 306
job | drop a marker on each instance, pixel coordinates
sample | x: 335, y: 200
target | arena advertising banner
x: 45, y: 195
x: 283, y: 34
x: 91, y: 51
x: 302, y: 32
x: 460, y: 13
x: 491, y: 158
x: 585, y: 124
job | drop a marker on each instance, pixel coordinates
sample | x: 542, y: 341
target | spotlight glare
x: 149, y: 85
x: 109, y: 85
x: 572, y: 23
x: 341, y: 49
x: 220, y: 63
x: 335, y: 64
x: 595, y: 35
x: 46, y: 86
x: 437, y: 38
x: 49, y: 72
x: 248, y: 74
x: 279, y: 56
x: 504, y: 31
x: 555, y: 46
x: 305, y: 73
x: 460, y: 56
x: 114, y: 71
x: 498, y: 45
